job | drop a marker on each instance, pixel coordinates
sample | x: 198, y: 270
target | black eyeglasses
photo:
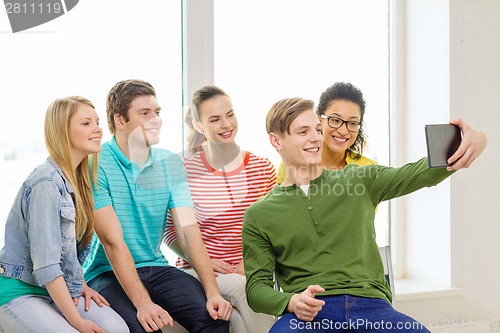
x: 334, y: 122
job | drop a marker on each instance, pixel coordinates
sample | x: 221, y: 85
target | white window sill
x: 413, y: 289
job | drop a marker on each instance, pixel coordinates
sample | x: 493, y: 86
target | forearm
x: 109, y: 231
x: 191, y: 242
x: 197, y: 255
x: 265, y: 299
x: 59, y: 293
x: 177, y: 248
x: 391, y: 183
x: 124, y: 269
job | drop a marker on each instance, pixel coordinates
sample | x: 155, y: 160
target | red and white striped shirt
x: 220, y: 200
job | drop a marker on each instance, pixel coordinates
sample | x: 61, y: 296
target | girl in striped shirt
x: 224, y: 180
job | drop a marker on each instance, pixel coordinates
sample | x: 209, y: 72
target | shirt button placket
x: 315, y: 221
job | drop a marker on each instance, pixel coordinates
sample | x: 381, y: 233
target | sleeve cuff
x: 181, y: 203
x: 47, y: 274
x: 102, y: 202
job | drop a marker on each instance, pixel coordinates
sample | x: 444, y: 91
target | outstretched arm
x: 473, y: 143
x: 417, y: 175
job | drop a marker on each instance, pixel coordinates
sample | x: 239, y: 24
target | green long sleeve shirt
x: 326, y: 237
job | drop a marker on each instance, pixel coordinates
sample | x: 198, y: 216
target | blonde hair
x: 283, y: 113
x: 57, y: 140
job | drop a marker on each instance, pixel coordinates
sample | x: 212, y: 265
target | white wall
x: 474, y: 94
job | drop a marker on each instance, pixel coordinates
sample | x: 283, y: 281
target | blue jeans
x: 346, y: 313
x: 37, y: 314
x: 174, y: 290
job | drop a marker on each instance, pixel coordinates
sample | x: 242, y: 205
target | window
x: 268, y: 50
x: 262, y: 50
x: 425, y: 89
x: 85, y: 52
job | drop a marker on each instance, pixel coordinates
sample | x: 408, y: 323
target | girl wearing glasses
x: 341, y: 108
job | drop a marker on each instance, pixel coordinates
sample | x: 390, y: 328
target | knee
x: 234, y: 289
x: 109, y: 320
x: 115, y: 325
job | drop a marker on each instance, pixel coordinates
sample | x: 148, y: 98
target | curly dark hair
x: 347, y: 92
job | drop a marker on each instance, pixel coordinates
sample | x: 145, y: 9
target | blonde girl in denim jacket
x: 49, y: 230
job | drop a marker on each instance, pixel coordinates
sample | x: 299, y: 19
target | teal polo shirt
x: 141, y: 198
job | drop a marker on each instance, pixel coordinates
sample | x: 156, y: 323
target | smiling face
x: 340, y: 139
x: 217, y: 120
x: 144, y: 122
x: 84, y: 132
x: 302, y: 147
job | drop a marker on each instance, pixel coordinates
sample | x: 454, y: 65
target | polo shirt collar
x: 113, y: 145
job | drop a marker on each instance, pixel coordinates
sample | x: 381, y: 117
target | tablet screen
x: 443, y: 141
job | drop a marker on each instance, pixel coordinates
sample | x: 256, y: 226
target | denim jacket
x: 40, y: 235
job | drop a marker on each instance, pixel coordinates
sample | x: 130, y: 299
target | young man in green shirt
x: 316, y: 231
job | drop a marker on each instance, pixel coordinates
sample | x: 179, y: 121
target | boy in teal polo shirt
x: 137, y: 186
x: 316, y: 231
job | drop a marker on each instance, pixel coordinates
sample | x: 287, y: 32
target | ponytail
x: 194, y: 139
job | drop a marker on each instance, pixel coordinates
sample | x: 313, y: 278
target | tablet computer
x: 443, y: 141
